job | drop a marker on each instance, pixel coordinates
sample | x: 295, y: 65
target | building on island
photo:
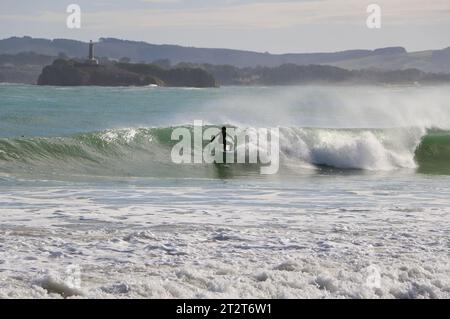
x: 91, y: 60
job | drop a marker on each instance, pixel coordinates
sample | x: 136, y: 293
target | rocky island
x: 63, y: 72
x: 72, y: 73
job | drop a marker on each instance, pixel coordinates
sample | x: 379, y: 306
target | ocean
x: 92, y: 205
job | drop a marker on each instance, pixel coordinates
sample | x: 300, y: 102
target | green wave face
x: 146, y: 152
x: 433, y: 153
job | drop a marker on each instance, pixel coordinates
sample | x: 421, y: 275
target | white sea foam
x: 325, y: 237
x: 55, y: 285
x: 357, y: 149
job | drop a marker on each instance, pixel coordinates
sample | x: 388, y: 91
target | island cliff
x: 72, y: 73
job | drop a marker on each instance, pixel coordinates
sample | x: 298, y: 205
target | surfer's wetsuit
x: 224, y: 142
x: 224, y: 138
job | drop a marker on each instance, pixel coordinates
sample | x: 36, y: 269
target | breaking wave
x: 145, y: 152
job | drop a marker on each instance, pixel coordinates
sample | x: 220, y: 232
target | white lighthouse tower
x: 92, y: 60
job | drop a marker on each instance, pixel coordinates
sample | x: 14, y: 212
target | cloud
x: 262, y: 15
x: 282, y: 14
x: 161, y: 1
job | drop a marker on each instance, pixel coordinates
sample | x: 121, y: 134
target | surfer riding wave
x: 226, y: 140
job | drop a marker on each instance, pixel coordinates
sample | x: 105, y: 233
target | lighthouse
x: 92, y: 60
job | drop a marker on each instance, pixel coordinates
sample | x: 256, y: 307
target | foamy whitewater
x: 91, y: 205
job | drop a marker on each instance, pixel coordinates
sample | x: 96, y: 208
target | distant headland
x: 130, y: 63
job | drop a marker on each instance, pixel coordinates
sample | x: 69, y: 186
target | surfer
x: 223, y: 141
x: 223, y: 134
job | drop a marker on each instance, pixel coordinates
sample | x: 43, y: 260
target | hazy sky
x: 267, y: 25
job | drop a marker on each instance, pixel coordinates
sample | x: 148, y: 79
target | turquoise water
x: 358, y: 209
x: 120, y: 132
